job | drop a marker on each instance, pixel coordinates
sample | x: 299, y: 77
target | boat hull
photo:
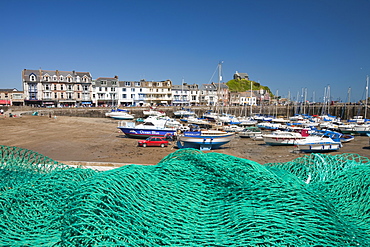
x: 319, y: 147
x: 280, y: 141
x: 145, y: 133
x: 204, y: 142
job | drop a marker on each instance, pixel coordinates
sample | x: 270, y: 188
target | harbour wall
x: 339, y: 110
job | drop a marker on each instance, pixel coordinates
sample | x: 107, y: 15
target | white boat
x: 362, y: 129
x: 347, y: 128
x: 271, y: 126
x: 250, y: 132
x: 279, y: 137
x: 152, y: 112
x: 315, y: 143
x: 170, y: 122
x: 357, y: 119
x: 120, y: 114
x: 247, y: 121
x: 204, y: 140
x: 233, y: 128
x: 184, y: 113
x: 280, y: 120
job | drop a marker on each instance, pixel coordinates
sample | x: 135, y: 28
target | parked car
x: 153, y: 141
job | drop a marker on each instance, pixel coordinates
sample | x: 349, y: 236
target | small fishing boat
x: 204, y: 140
x: 279, y: 137
x: 233, y: 128
x: 250, y: 131
x: 152, y: 112
x: 271, y: 126
x: 184, y: 113
x: 120, y: 114
x: 317, y: 143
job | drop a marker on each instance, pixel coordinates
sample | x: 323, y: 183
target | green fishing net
x: 189, y: 198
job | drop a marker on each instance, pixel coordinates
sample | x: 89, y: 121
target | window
x: 78, y: 87
x: 46, y: 78
x: 137, y: 84
x: 55, y: 86
x: 54, y: 78
x: 32, y: 77
x: 62, y: 96
x: 103, y: 83
x: 123, y: 89
x: 141, y: 89
x: 85, y: 87
x: 78, y: 95
x: 47, y: 87
x: 70, y: 87
x: 112, y: 89
x: 127, y: 83
x: 55, y: 95
x: 114, y: 83
x: 124, y: 96
x: 132, y: 96
x: 61, y: 87
x: 132, y: 89
x: 61, y: 78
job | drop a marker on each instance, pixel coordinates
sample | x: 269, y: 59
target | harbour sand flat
x: 97, y: 141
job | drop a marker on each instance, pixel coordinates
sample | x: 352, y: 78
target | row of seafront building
x: 54, y: 88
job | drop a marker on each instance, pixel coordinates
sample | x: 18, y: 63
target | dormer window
x: 54, y: 78
x: 46, y: 78
x: 69, y: 79
x: 32, y: 77
x: 103, y: 83
x: 61, y: 78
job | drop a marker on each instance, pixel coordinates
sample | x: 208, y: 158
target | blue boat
x: 204, y: 140
x: 148, y: 128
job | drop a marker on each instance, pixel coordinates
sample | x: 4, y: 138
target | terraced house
x: 53, y: 88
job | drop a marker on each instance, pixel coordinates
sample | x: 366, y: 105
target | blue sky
x: 287, y: 45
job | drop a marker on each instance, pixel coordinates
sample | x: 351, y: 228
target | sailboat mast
x: 367, y: 94
x: 251, y: 98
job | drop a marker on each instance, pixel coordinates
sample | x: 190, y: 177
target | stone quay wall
x: 340, y: 110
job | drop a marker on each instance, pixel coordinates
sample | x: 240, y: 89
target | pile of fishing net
x: 189, y: 198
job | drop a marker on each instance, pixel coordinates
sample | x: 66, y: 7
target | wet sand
x: 82, y: 140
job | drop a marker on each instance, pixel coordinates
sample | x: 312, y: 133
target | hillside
x: 244, y: 85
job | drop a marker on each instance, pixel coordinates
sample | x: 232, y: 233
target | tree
x: 244, y: 85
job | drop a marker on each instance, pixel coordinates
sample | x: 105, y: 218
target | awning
x: 86, y: 102
x: 5, y: 102
x: 164, y: 101
x: 49, y: 103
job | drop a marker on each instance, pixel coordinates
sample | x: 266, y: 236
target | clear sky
x: 287, y: 45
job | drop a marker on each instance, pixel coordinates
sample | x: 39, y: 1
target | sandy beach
x: 83, y: 140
